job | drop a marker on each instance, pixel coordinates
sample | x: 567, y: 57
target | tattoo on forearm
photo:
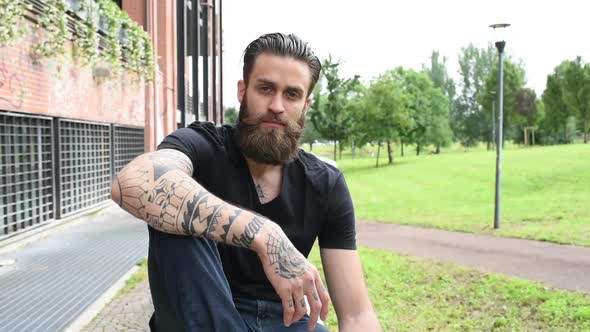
x: 166, y: 161
x: 226, y: 224
x: 133, y: 189
x: 160, y: 190
x: 303, y: 303
x: 247, y: 237
x: 289, y: 262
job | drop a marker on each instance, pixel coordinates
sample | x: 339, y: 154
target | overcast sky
x: 371, y: 36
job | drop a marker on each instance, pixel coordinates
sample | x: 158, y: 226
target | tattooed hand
x: 292, y: 276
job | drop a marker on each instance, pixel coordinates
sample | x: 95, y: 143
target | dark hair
x: 283, y: 45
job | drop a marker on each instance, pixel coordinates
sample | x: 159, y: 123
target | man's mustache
x: 268, y: 117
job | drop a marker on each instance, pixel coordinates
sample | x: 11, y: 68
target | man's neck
x: 267, y: 179
x: 260, y: 170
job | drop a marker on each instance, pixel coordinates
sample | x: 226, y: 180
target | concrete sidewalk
x: 559, y: 266
x: 53, y: 282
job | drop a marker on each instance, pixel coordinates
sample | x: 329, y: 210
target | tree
x: 468, y: 122
x: 230, y: 116
x: 385, y: 114
x: 526, y: 105
x: 513, y: 84
x: 310, y: 134
x: 555, y: 125
x: 440, y: 133
x: 330, y: 119
x: 576, y: 92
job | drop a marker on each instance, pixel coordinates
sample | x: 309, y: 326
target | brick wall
x: 63, y: 87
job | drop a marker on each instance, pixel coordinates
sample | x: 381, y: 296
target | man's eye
x: 292, y: 95
x: 265, y: 89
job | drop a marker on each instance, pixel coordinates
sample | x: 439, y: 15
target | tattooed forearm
x: 247, y: 237
x: 162, y: 192
x: 169, y: 160
x: 289, y: 263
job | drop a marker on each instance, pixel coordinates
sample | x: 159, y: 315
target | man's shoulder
x: 321, y: 174
x: 208, y: 130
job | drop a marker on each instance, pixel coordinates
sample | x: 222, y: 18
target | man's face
x: 272, y: 108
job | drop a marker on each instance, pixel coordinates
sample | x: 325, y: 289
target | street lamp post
x: 500, y: 44
x: 493, y: 93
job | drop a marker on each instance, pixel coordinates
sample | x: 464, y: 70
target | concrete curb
x: 95, y: 308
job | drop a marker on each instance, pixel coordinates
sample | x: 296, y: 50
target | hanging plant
x: 133, y: 46
x: 54, y: 26
x: 86, y: 43
x: 12, y: 27
x: 149, y: 67
x: 109, y: 12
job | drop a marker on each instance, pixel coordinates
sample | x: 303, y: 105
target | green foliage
x: 12, y: 24
x: 86, y: 41
x: 53, y: 27
x: 230, y: 116
x: 468, y: 122
x: 567, y: 96
x: 413, y: 294
x: 112, y: 52
x: 330, y: 118
x: 310, y: 134
x: 385, y: 116
x: 513, y: 84
x: 576, y: 92
x: 554, y: 126
x: 428, y: 108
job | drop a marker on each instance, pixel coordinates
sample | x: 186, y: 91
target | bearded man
x: 233, y: 212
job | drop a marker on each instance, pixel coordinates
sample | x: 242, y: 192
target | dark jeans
x: 190, y: 291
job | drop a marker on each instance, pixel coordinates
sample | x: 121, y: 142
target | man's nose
x: 276, y: 104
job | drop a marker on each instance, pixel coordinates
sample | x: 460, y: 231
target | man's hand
x: 292, y: 276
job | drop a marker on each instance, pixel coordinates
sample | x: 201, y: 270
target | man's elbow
x: 116, y: 191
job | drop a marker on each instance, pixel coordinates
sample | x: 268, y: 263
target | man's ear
x: 307, y: 104
x: 241, y: 90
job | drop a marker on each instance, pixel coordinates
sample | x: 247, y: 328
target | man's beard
x: 268, y: 145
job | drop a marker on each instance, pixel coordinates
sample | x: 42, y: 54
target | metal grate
x: 85, y: 160
x: 26, y: 176
x: 129, y: 143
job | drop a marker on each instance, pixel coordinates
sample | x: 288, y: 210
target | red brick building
x: 66, y: 128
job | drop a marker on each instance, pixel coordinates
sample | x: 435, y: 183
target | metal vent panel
x: 85, y: 158
x: 26, y: 175
x: 129, y: 143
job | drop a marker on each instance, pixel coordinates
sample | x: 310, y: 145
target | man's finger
x: 315, y: 306
x: 324, y: 296
x: 288, y: 308
x: 300, y: 306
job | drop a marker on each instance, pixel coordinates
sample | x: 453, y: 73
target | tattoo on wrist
x: 247, y: 237
x: 303, y: 303
x: 289, y: 262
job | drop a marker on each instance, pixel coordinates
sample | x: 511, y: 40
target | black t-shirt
x: 314, y: 201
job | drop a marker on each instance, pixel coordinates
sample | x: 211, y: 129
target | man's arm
x: 158, y: 188
x: 344, y: 276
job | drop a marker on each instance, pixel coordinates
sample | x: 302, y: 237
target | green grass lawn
x: 420, y: 295
x: 545, y: 196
